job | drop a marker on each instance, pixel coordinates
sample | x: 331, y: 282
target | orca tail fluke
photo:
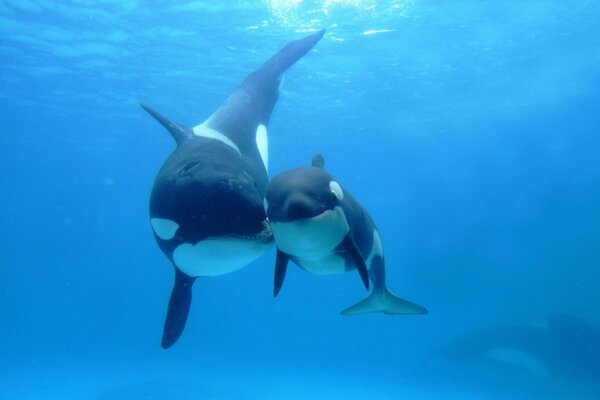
x: 386, y: 302
x: 253, y: 101
x: 179, y: 308
x: 290, y: 54
x: 179, y: 132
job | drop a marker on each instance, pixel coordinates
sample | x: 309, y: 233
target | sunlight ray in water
x: 316, y: 12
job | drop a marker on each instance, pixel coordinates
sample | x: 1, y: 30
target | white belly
x: 330, y: 264
x: 217, y: 256
x: 312, y: 241
x: 311, y: 238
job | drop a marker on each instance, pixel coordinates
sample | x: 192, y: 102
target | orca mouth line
x: 264, y: 234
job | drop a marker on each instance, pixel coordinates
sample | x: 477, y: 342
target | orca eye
x: 336, y: 189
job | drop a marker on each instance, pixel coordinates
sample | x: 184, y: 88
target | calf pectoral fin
x: 281, y: 262
x: 179, y: 308
x: 352, y: 250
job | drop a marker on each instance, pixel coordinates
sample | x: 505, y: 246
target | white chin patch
x: 312, y: 238
x: 204, y: 131
x: 164, y: 228
x: 218, y: 255
x: 262, y: 142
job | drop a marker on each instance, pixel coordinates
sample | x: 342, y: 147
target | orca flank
x: 206, y: 205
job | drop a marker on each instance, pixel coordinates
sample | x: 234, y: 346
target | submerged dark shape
x: 206, y: 205
x: 566, y: 347
x: 320, y: 227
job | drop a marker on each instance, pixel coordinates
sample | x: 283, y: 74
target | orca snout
x: 299, y: 206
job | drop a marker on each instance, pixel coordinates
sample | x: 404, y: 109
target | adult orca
x: 565, y: 346
x: 320, y: 227
x: 206, y: 205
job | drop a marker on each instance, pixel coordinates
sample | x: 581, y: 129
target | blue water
x: 468, y: 129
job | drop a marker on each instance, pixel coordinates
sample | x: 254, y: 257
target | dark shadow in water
x: 567, y: 347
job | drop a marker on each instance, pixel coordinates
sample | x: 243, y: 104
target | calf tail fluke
x: 386, y: 302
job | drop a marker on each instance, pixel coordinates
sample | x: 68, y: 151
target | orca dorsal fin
x: 318, y: 161
x: 179, y: 132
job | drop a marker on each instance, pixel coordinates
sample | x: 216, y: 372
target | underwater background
x: 469, y: 130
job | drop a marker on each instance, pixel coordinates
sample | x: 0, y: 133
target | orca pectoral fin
x: 281, y: 262
x: 179, y: 308
x: 352, y: 250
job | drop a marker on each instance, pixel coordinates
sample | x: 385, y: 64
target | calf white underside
x: 312, y: 241
x: 328, y: 265
x: 217, y: 256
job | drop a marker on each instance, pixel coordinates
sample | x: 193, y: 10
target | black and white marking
x: 206, y: 206
x: 320, y: 227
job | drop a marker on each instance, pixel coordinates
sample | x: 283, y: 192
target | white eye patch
x: 164, y: 228
x: 265, y: 204
x: 336, y: 189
